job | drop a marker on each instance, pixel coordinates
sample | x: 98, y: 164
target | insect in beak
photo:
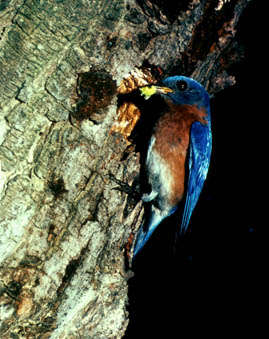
x: 148, y: 91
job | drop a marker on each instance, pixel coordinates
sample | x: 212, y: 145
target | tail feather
x: 145, y: 231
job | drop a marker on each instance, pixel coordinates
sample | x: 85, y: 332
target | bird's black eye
x: 182, y: 85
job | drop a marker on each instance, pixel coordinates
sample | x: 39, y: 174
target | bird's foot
x: 124, y: 187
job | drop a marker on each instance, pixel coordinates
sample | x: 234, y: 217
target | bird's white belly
x: 159, y: 174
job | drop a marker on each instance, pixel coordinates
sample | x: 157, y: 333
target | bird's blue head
x: 185, y: 91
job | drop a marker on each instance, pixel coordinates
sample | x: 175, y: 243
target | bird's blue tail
x: 145, y: 231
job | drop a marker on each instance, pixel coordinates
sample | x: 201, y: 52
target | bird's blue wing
x: 200, y: 151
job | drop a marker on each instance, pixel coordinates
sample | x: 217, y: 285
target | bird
x: 178, y: 153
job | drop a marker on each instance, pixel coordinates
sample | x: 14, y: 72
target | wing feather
x: 200, y: 152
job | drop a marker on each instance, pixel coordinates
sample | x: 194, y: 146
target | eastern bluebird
x: 181, y: 134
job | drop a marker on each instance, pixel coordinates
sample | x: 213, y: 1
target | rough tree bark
x: 64, y: 228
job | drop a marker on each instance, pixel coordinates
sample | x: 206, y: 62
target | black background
x: 210, y: 283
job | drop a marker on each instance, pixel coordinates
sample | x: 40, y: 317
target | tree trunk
x: 64, y: 226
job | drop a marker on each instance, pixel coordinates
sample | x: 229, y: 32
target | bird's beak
x: 163, y: 90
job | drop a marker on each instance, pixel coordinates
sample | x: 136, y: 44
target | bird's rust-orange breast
x: 172, y: 135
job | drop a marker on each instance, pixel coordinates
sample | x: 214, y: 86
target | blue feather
x: 200, y: 152
x: 143, y: 235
